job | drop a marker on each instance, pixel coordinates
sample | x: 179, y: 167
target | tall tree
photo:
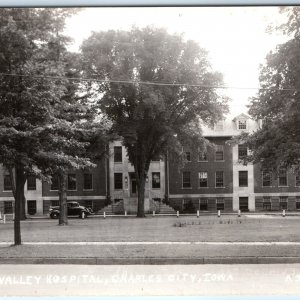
x: 156, y: 108
x: 29, y: 49
x: 277, y: 104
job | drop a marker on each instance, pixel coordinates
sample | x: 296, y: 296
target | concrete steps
x: 111, y: 209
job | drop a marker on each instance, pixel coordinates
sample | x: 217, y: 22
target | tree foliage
x: 152, y: 117
x: 277, y: 103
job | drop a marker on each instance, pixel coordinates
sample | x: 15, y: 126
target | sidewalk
x: 150, y: 254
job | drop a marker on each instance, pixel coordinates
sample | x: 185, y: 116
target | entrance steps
x: 161, y: 208
x: 112, y: 209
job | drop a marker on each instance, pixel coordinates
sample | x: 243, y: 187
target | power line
x: 146, y: 82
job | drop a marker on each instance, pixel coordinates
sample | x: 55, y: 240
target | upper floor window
x: 242, y: 124
x: 297, y: 177
x: 186, y: 179
x: 156, y: 180
x: 203, y: 179
x: 72, y: 182
x: 118, y: 154
x: 187, y: 156
x: 219, y: 179
x: 202, y: 156
x: 54, y: 183
x: 87, y: 181
x: 219, y: 153
x: 7, y: 183
x: 266, y: 178
x: 282, y: 177
x: 242, y: 151
x: 243, y: 178
x: 31, y: 183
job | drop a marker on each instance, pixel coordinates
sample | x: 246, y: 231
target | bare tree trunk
x: 13, y: 184
x: 63, y: 216
x: 141, y: 197
x: 19, y: 193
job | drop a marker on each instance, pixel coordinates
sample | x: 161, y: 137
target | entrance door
x: 133, y: 191
x: 244, y: 204
x: 31, y: 207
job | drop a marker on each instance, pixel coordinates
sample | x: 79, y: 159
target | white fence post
x: 177, y: 213
x: 283, y: 213
x: 219, y: 213
x: 4, y: 219
x: 153, y: 213
x: 104, y: 214
x: 239, y: 213
x: 125, y: 213
x: 197, y: 213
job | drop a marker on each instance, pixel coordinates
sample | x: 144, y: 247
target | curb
x: 152, y: 260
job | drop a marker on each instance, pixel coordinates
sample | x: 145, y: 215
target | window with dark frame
x: 186, y: 179
x: 242, y: 151
x: 297, y: 178
x: 242, y: 124
x: 31, y: 183
x: 266, y: 178
x: 267, y: 203
x: 87, y: 181
x: 202, y: 156
x: 219, y: 179
x: 220, y: 203
x: 243, y: 178
x: 155, y: 180
x: 7, y: 186
x: 203, y: 204
x: 219, y: 154
x: 54, y: 202
x: 54, y: 183
x: 8, y: 207
x: 72, y: 182
x: 187, y: 156
x: 283, y: 201
x: 118, y: 154
x: 203, y: 179
x: 297, y: 202
x: 282, y: 177
x: 118, y: 180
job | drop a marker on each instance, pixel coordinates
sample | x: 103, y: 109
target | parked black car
x: 74, y: 209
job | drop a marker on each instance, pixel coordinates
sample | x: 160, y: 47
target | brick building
x: 215, y: 180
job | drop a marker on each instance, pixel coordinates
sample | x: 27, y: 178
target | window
x: 219, y: 153
x: 219, y: 126
x: 266, y: 178
x: 282, y: 177
x: 118, y: 181
x: 156, y: 180
x: 202, y: 156
x: 220, y: 203
x: 219, y: 179
x: 242, y: 124
x: 54, y: 183
x: 87, y: 181
x: 283, y: 200
x: 187, y: 156
x: 297, y: 202
x: 203, y: 204
x: 31, y: 183
x: 297, y: 178
x: 7, y: 183
x: 8, y: 207
x: 186, y: 179
x: 242, y: 151
x: 203, y: 179
x: 118, y: 154
x: 54, y: 202
x: 267, y: 203
x: 243, y: 178
x: 72, y: 182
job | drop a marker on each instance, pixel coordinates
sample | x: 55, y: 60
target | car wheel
x: 54, y: 216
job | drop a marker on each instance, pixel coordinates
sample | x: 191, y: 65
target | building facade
x: 216, y: 179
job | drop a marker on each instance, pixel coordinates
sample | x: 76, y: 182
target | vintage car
x: 74, y: 209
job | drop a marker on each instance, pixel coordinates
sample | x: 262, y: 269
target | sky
x: 235, y: 37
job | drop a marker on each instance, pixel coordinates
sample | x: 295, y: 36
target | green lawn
x: 205, y: 228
